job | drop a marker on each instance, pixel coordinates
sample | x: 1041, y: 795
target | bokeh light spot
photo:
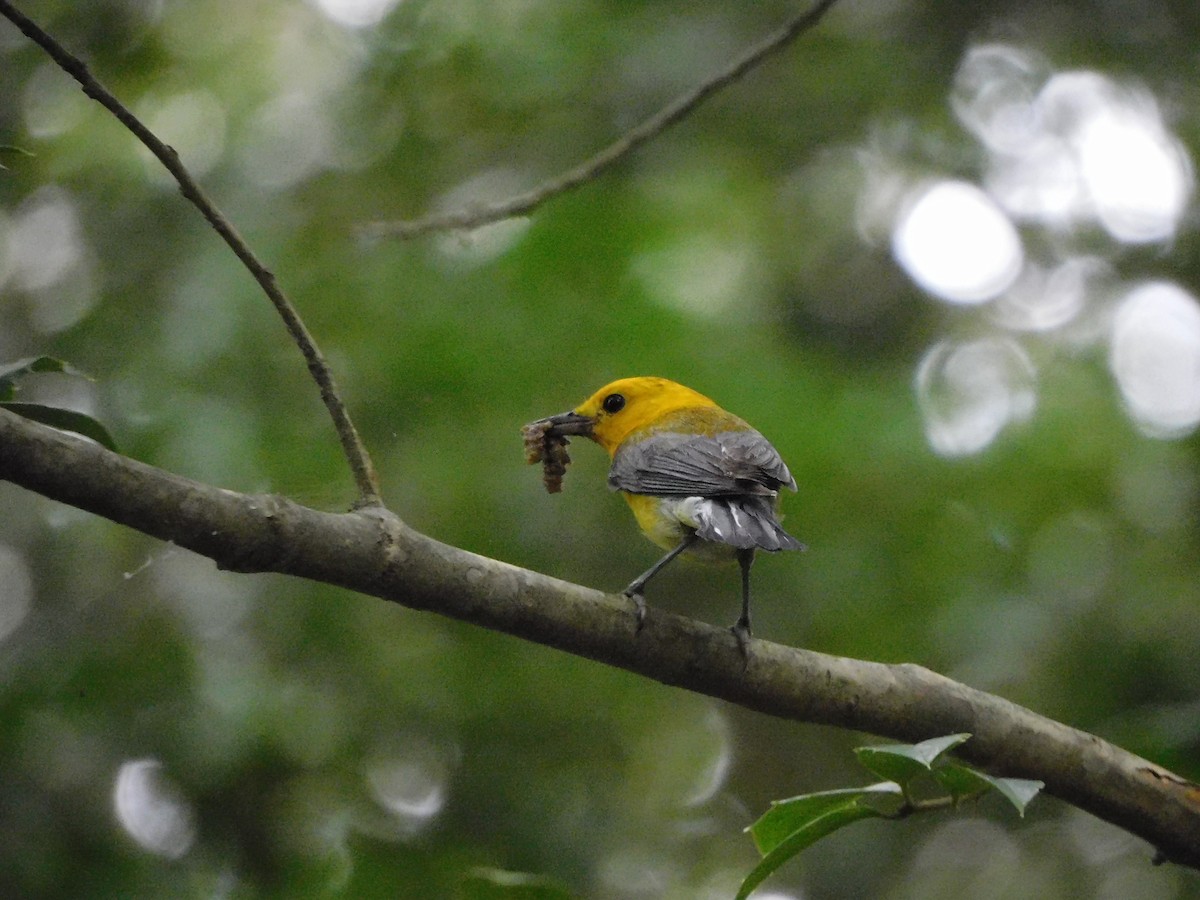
x: 1044, y: 299
x: 193, y: 123
x: 356, y: 13
x: 994, y: 94
x: 412, y: 782
x: 474, y: 247
x: 1155, y: 357
x: 48, y: 259
x: 411, y: 791
x: 1138, y: 176
x: 965, y: 858
x: 969, y: 392
x: 152, y: 810
x: 288, y: 141
x: 52, y: 105
x: 1158, y: 494
x: 700, y: 274
x: 1081, y: 149
x: 44, y: 243
x: 956, y: 243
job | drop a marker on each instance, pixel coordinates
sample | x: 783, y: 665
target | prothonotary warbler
x: 698, y: 479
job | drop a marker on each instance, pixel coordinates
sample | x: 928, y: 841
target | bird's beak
x: 568, y: 423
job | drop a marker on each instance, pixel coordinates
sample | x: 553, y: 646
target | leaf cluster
x: 910, y: 770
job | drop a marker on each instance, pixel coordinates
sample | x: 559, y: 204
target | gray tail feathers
x: 743, y: 522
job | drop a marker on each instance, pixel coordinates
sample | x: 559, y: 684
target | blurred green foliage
x: 172, y: 730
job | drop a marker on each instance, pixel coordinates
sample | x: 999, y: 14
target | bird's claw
x: 639, y: 607
x: 741, y: 631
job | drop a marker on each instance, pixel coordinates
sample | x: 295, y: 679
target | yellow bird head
x: 635, y: 405
x: 642, y: 406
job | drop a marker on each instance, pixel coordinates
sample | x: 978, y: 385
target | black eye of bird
x: 614, y: 403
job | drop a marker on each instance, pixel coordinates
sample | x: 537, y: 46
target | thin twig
x: 673, y: 112
x: 355, y: 451
x: 933, y: 803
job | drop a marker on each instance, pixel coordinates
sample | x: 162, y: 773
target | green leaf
x: 903, y: 762
x: 14, y: 370
x: 785, y: 817
x: 1017, y: 791
x: 499, y: 884
x: 792, y: 825
x: 65, y: 419
x: 962, y: 781
x: 10, y: 373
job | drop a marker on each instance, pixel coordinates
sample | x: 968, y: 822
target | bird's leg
x: 741, y: 628
x: 634, y: 591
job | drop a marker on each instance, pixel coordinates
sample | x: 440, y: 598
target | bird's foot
x: 634, y: 593
x: 741, y: 631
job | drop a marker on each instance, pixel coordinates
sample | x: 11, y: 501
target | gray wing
x: 729, y: 464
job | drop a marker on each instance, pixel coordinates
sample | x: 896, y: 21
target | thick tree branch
x: 675, y: 111
x: 372, y: 552
x: 352, y: 446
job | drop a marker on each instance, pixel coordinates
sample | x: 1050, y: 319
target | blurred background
x: 944, y: 255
